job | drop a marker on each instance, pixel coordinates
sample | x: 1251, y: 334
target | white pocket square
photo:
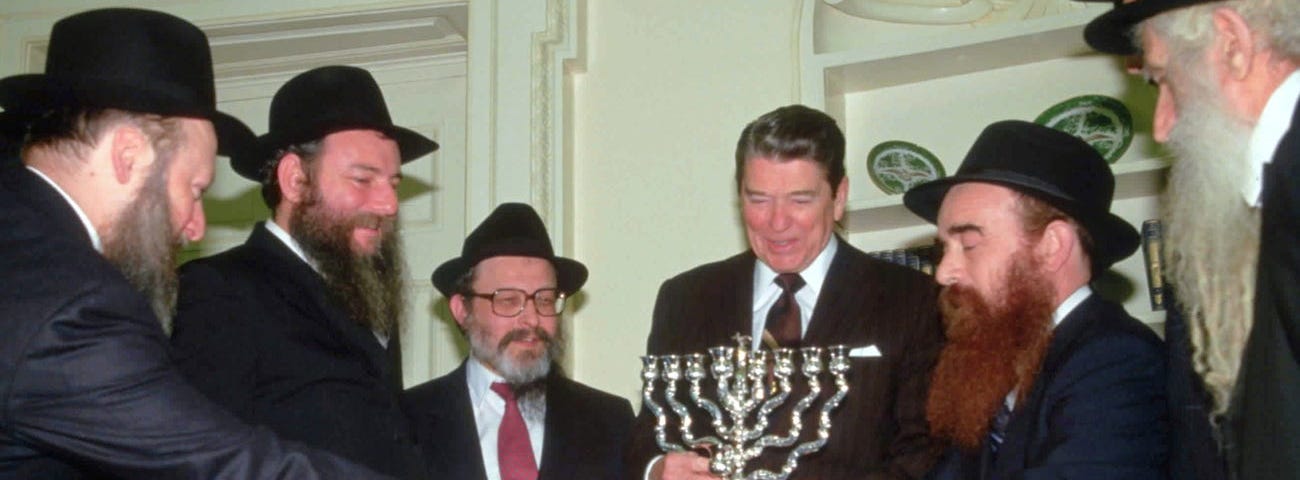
x: 868, y: 351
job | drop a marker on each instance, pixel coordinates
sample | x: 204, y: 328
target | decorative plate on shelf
x: 896, y: 166
x: 1103, y: 122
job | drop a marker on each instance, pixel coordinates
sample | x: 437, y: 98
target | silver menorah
x: 751, y: 384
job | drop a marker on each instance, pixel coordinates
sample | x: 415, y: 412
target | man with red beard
x: 298, y: 328
x: 120, y: 147
x: 1228, y: 89
x: 508, y: 413
x: 1041, y: 377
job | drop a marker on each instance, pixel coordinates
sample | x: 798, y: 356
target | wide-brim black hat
x: 322, y: 101
x: 1053, y: 166
x: 513, y: 229
x: 129, y: 59
x: 1112, y: 31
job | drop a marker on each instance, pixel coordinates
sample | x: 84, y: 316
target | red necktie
x: 783, y: 320
x: 514, y: 449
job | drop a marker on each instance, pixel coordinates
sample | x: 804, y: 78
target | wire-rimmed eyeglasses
x: 510, y: 302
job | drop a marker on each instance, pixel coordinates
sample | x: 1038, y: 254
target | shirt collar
x: 1274, y: 121
x: 814, y: 275
x: 1063, y: 310
x: 479, y: 380
x: 85, y: 221
x: 288, y: 240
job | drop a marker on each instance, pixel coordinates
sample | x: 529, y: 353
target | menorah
x: 751, y: 385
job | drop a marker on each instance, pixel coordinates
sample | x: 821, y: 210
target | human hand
x: 682, y: 466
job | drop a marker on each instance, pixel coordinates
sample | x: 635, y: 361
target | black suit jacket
x: 255, y: 331
x: 1194, y: 452
x: 86, y: 382
x: 1097, y: 409
x: 879, y: 431
x: 1264, y: 415
x: 586, y: 429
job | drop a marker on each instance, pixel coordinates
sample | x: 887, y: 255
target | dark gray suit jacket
x: 86, y: 382
x: 586, y: 429
x: 256, y: 332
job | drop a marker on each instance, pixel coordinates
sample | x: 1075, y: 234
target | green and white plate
x: 896, y: 166
x: 1103, y: 122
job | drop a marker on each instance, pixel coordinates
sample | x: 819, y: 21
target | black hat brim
x: 570, y: 274
x: 29, y: 95
x: 1112, y: 31
x: 1114, y: 238
x: 248, y: 163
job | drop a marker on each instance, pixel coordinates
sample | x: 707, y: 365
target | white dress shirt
x: 767, y: 292
x: 85, y: 221
x: 1274, y: 121
x: 488, y: 410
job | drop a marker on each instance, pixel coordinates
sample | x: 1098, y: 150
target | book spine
x: 1152, y: 253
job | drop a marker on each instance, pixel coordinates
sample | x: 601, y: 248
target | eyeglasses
x: 509, y: 302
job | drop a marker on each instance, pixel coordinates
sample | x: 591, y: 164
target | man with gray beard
x: 508, y: 404
x: 122, y: 131
x: 1228, y: 88
x: 298, y: 328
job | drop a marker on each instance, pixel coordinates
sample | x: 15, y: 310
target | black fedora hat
x: 1111, y: 32
x: 322, y: 101
x: 1050, y: 165
x: 128, y: 59
x: 513, y: 229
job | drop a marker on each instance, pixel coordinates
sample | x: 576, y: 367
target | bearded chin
x: 1211, y: 233
x: 367, y: 286
x: 991, y: 350
x: 141, y: 245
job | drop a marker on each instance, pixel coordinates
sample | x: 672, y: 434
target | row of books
x: 925, y: 258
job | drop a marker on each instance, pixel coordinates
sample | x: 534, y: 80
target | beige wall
x: 669, y: 85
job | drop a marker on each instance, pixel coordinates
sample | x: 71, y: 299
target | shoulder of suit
x: 1109, y: 323
x: 436, y: 387
x: 720, y: 269
x: 591, y: 394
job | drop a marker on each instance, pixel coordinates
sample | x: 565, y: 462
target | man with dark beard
x: 1040, y: 378
x: 508, y: 413
x: 120, y: 147
x: 1228, y: 88
x: 298, y: 329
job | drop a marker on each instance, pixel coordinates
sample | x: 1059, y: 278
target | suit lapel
x: 303, y: 287
x: 1020, y: 429
x: 458, y: 449
x: 560, y: 444
x: 841, y: 293
x: 742, y: 277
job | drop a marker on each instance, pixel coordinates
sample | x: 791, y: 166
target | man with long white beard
x: 298, y: 328
x: 120, y: 147
x: 1228, y: 88
x: 508, y: 413
x: 1040, y: 377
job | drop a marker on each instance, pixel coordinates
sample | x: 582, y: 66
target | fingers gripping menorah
x: 750, y: 385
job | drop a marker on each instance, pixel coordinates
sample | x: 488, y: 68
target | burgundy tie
x: 783, y: 321
x: 514, y: 449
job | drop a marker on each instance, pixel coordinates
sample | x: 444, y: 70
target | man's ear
x: 459, y: 310
x: 1057, y: 245
x: 292, y: 177
x: 1234, y: 43
x: 130, y: 151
